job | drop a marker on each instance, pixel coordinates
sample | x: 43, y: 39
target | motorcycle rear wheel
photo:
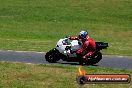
x: 97, y: 57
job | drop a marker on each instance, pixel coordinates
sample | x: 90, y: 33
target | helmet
x: 83, y: 34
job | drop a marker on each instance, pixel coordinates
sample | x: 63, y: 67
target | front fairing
x: 74, y: 45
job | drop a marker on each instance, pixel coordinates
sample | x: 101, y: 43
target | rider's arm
x: 86, y: 44
x: 73, y: 38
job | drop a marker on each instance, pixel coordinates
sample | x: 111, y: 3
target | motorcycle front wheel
x: 52, y: 56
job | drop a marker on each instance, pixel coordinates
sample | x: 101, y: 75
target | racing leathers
x: 89, y: 46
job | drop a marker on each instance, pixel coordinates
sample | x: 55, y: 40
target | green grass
x: 18, y: 75
x: 36, y: 25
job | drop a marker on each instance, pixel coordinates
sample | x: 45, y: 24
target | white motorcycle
x: 66, y: 50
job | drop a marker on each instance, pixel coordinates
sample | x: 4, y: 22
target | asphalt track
x: 38, y: 58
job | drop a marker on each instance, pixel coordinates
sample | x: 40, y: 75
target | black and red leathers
x: 88, y: 45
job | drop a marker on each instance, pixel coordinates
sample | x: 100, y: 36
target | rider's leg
x: 90, y: 52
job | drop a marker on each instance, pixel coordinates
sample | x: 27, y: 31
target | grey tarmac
x: 122, y: 62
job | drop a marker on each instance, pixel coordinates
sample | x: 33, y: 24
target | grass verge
x: 41, y: 23
x: 19, y: 75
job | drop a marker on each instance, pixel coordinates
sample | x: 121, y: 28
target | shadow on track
x: 73, y: 63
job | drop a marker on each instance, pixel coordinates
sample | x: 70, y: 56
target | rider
x: 89, y: 45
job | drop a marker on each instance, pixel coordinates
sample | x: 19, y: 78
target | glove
x: 73, y: 38
x: 79, y: 51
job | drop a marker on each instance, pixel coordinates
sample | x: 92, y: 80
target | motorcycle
x: 66, y: 50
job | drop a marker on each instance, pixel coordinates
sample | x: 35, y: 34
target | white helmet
x: 83, y: 34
